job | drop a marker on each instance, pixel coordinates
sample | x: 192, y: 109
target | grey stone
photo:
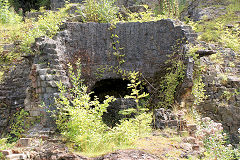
x: 49, y: 51
x: 16, y: 157
x: 42, y: 71
x: 190, y: 140
x: 42, y: 77
x: 51, y: 90
x: 50, y: 45
x: 192, y: 127
x: 34, y: 113
x: 53, y: 84
x: 23, y: 142
x: 49, y: 77
x: 186, y: 146
x: 44, y: 84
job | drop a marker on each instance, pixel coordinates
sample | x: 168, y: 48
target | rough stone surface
x: 166, y: 118
x: 207, y: 9
x: 222, y: 84
x: 146, y: 47
x: 16, y: 157
x: 12, y: 91
x: 6, y: 152
x: 23, y: 142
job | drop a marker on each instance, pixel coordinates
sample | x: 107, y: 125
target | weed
x: 7, y: 14
x: 80, y: 119
x: 171, y: 80
x: 101, y: 11
x: 214, y: 141
x: 18, y: 125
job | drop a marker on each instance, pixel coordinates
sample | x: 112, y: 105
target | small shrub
x: 7, y: 14
x: 80, y: 119
x: 171, y: 81
x: 101, y: 11
x: 169, y: 8
x: 18, y: 125
x: 214, y: 141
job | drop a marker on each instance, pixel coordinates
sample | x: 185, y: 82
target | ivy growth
x: 198, y: 90
x: 174, y: 76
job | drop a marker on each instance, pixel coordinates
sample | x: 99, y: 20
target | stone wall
x: 146, y: 47
x: 12, y: 91
x: 222, y: 84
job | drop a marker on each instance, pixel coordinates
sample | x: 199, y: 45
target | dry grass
x: 162, y: 146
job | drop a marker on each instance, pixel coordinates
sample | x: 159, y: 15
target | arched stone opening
x: 119, y: 89
x: 112, y: 87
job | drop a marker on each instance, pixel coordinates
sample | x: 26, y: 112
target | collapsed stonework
x: 12, y: 92
x: 222, y: 85
x: 221, y: 76
x: 146, y: 47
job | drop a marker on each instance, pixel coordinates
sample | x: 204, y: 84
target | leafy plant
x: 80, y: 119
x: 18, y: 125
x: 142, y: 119
x: 101, y: 11
x: 171, y: 80
x: 7, y: 15
x: 198, y: 89
x: 214, y: 141
x: 169, y: 8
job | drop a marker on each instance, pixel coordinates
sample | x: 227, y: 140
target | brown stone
x: 192, y: 127
x: 44, y: 137
x: 191, y: 140
x: 23, y: 142
x: 196, y: 147
x: 6, y: 152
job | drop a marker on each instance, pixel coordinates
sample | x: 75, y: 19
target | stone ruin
x: 146, y: 47
x: 55, y: 4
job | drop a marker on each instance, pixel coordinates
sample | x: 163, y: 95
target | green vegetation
x: 214, y: 141
x: 18, y: 125
x: 198, y: 90
x: 13, y: 28
x: 217, y: 30
x: 102, y: 11
x: 7, y: 15
x: 170, y: 83
x: 169, y: 8
x: 80, y: 120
